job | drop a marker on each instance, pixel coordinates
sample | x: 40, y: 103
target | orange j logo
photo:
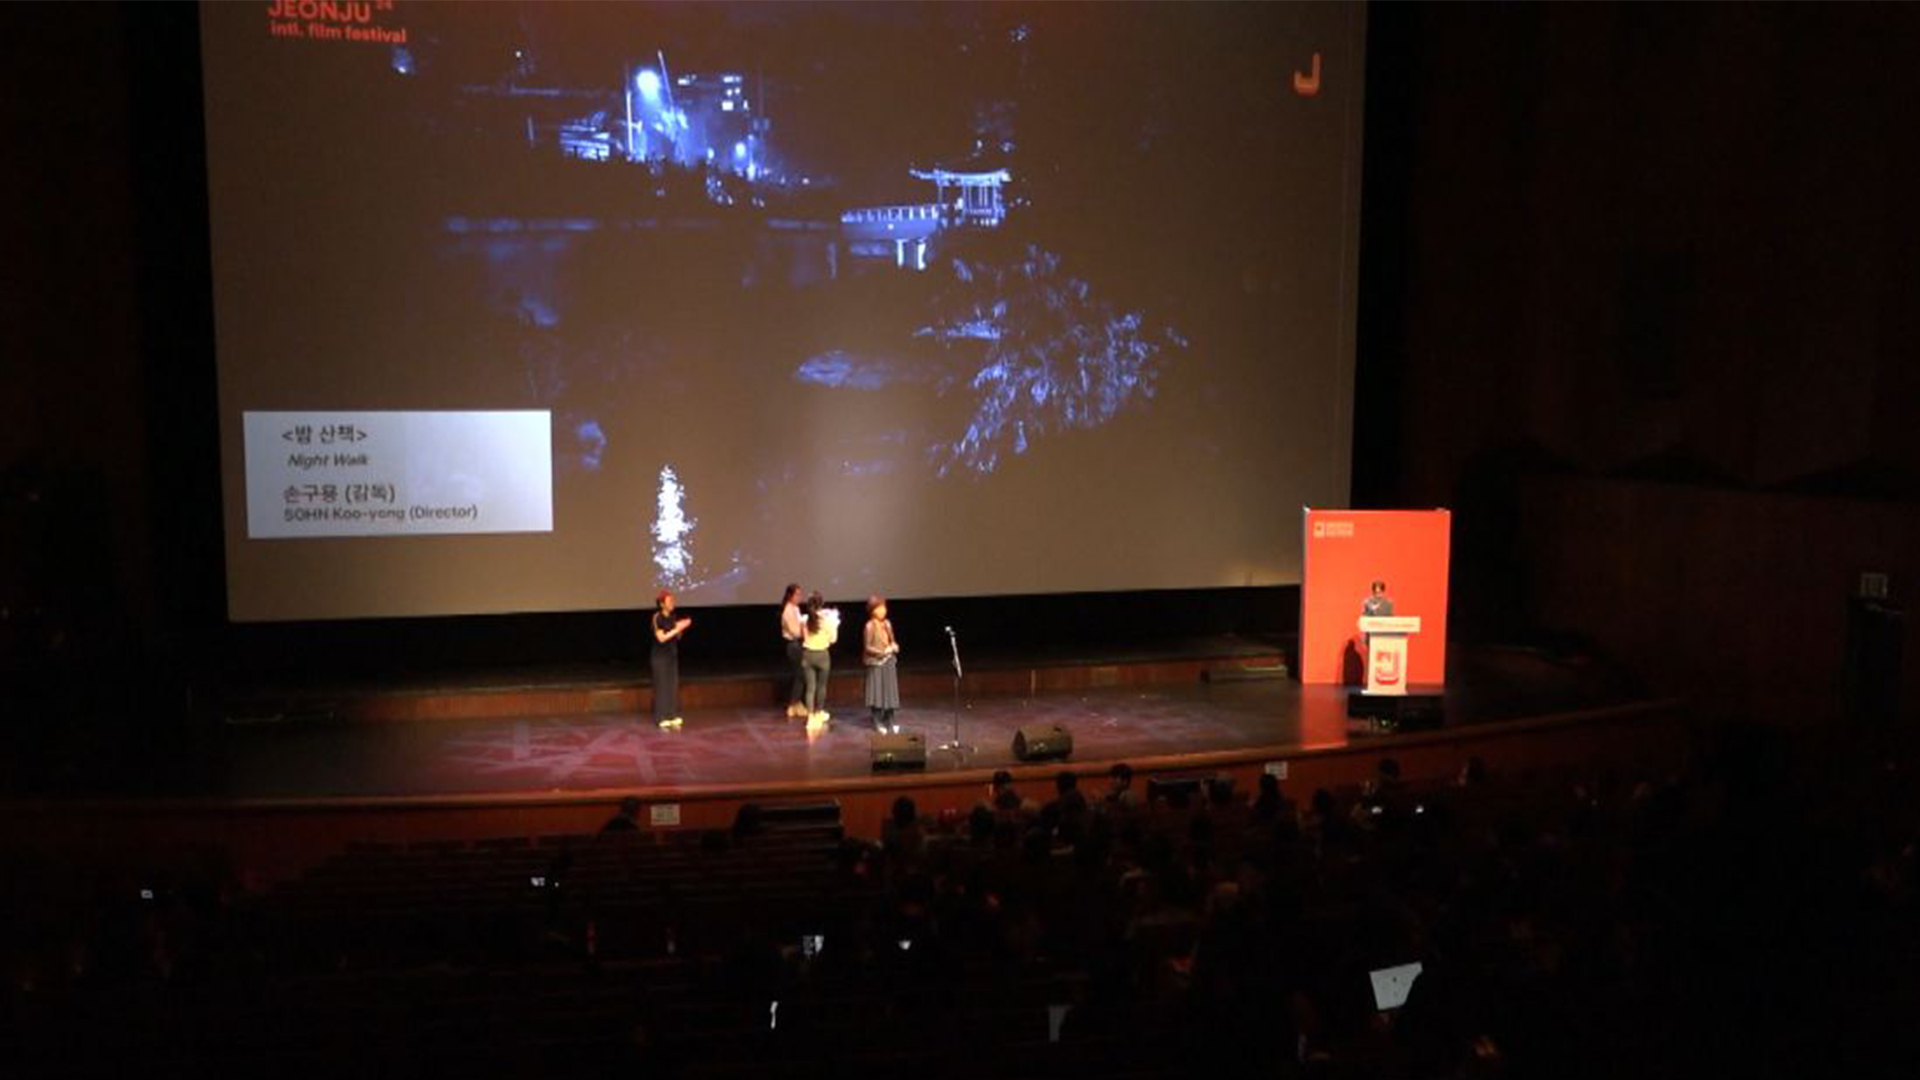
x: 1307, y: 83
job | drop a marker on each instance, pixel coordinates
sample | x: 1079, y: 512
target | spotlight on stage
x: 1037, y: 742
x: 906, y: 750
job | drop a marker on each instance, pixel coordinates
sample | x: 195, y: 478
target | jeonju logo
x: 335, y: 20
x: 1332, y: 530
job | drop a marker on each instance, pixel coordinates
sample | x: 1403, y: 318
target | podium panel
x: 1386, y: 639
x: 1346, y: 551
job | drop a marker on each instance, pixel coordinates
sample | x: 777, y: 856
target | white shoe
x: 672, y: 723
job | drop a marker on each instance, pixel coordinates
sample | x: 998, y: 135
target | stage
x: 467, y: 758
x: 739, y: 748
x: 585, y: 732
x: 742, y: 750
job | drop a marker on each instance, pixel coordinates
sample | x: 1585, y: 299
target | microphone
x: 949, y: 629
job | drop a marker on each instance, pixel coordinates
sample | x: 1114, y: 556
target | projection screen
x: 545, y: 306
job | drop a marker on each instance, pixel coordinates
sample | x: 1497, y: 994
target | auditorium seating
x: 1557, y: 914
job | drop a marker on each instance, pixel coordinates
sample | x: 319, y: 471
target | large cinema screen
x: 544, y: 306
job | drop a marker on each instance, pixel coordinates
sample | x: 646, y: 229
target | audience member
x: 626, y: 819
x: 1120, y: 795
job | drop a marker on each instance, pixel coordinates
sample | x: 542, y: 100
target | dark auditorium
x: 957, y: 539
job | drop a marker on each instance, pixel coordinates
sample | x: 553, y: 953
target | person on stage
x: 667, y: 632
x: 1377, y: 605
x: 881, y: 655
x: 822, y: 629
x: 793, y: 627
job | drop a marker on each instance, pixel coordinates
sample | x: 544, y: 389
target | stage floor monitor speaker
x: 1037, y: 742
x: 906, y: 750
x: 1398, y: 712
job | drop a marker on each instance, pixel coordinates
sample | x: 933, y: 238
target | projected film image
x: 923, y: 299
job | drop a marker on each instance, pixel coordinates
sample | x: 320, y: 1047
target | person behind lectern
x: 1378, y: 604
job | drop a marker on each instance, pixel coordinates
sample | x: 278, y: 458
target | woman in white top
x: 821, y: 630
x: 792, y: 629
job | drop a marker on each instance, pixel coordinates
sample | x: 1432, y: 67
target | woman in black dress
x: 667, y: 631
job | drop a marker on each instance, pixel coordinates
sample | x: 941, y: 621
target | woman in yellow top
x: 822, y: 629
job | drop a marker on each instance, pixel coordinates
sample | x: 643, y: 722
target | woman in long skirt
x: 881, y: 654
x: 667, y: 631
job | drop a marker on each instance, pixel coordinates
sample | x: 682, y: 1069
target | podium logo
x: 1386, y: 669
x: 1333, y: 530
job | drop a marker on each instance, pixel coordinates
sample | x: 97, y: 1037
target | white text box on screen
x: 358, y: 473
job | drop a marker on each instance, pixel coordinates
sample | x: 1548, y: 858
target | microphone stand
x: 959, y: 749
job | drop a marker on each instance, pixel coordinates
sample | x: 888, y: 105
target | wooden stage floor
x: 279, y: 796
x: 742, y: 750
x: 741, y: 747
